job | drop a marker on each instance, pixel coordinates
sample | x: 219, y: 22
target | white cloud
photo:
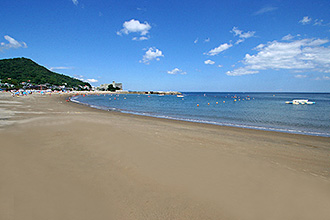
x: 318, y: 22
x: 305, y: 54
x: 305, y: 20
x: 265, y: 10
x: 241, y: 71
x: 92, y: 80
x: 151, y: 54
x: 195, y: 41
x: 220, y: 66
x: 134, y: 26
x: 239, y: 41
x: 79, y: 76
x: 219, y: 49
x: 259, y: 47
x: 288, y: 37
x: 176, y: 71
x: 141, y: 9
x: 300, y: 76
x: 75, y: 2
x: 12, y: 43
x: 242, y: 35
x: 60, y: 68
x: 207, y: 40
x: 323, y: 78
x: 140, y: 38
x: 210, y: 62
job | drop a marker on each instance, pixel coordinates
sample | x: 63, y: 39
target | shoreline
x: 253, y: 127
x: 65, y: 160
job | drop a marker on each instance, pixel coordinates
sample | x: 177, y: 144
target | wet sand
x: 61, y: 160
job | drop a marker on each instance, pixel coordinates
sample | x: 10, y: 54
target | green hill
x: 20, y: 70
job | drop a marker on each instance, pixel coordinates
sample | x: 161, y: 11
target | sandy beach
x: 62, y: 160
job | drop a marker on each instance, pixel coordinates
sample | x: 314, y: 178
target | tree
x: 112, y: 89
x: 23, y: 70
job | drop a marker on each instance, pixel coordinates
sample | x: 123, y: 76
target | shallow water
x: 265, y: 111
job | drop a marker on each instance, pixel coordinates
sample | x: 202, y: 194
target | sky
x: 209, y: 45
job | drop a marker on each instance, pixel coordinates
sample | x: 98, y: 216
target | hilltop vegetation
x: 18, y: 70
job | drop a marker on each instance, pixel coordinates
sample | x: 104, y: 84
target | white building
x: 117, y: 85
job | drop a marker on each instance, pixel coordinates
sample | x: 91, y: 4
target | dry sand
x: 62, y: 160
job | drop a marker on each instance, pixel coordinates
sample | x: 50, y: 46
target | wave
x: 294, y: 131
x: 255, y: 127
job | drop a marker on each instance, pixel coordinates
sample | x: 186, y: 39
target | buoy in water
x: 216, y: 103
x: 197, y: 105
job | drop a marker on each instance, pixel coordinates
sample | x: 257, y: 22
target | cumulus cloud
x: 288, y: 37
x: 265, y: 10
x: 92, y: 80
x: 219, y: 49
x: 195, y: 41
x: 176, y: 71
x: 305, y: 54
x: 209, y: 62
x: 151, y: 54
x: 305, y: 20
x: 134, y: 26
x: 75, y: 2
x: 12, y: 43
x: 82, y: 78
x: 220, y: 66
x: 241, y: 34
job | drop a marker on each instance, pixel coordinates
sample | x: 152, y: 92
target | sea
x: 261, y: 111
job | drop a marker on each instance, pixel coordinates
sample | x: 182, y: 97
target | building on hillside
x: 117, y: 85
x: 103, y: 86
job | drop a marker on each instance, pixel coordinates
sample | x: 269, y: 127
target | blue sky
x: 175, y: 45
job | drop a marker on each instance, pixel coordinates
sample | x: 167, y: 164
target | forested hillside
x: 18, y: 70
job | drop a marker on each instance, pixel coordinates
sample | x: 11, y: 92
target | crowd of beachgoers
x: 21, y: 92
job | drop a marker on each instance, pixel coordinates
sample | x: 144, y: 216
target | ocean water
x: 263, y: 111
